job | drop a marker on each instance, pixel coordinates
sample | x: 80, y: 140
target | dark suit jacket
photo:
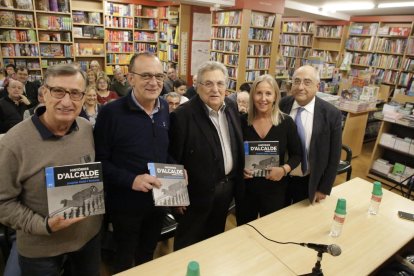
x: 31, y: 89
x: 325, y: 144
x: 194, y: 142
x: 191, y: 92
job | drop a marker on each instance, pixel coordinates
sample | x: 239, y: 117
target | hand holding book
x: 145, y: 183
x: 58, y: 223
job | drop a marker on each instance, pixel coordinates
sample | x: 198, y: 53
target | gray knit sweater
x: 23, y: 201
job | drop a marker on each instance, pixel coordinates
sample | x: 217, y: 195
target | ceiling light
x: 349, y: 6
x: 396, y: 5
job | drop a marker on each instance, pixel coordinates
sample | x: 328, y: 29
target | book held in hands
x: 75, y: 190
x: 260, y: 156
x: 173, y: 191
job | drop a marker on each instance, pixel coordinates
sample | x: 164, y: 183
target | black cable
x: 271, y: 239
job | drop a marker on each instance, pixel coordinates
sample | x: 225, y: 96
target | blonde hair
x: 277, y: 114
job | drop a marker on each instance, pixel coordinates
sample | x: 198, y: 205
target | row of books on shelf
x: 87, y: 17
x: 45, y: 63
x: 400, y: 144
x: 89, y: 49
x: 405, y: 79
x: 291, y: 39
x: 52, y: 22
x: 408, y: 64
x: 55, y: 36
x: 22, y: 4
x: 29, y: 64
x: 226, y: 32
x: 146, y: 11
x: 109, y: 69
x: 231, y: 85
x: 118, y: 22
x: 88, y: 32
x: 375, y: 29
x: 145, y: 36
x: 119, y: 47
x: 56, y: 50
x: 397, y: 172
x: 394, y: 31
x: 252, y: 75
x: 292, y: 51
x: 118, y: 36
x: 119, y: 9
x: 146, y: 23
x: 360, y: 44
x: 173, y: 34
x: 297, y: 27
x: 118, y: 58
x: 232, y: 72
x: 257, y: 63
x: 327, y: 56
x: 391, y: 46
x: 398, y: 113
x: 172, y: 53
x: 387, y: 76
x: 18, y: 36
x: 53, y: 5
x: 377, y: 60
x: 329, y: 31
x: 11, y: 19
x: 227, y: 46
x: 228, y: 18
x: 145, y: 47
x: 258, y: 49
x: 228, y: 59
x: 363, y: 29
x: 260, y: 34
x: 262, y: 20
x: 19, y: 50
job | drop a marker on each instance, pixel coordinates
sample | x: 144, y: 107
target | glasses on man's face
x: 210, y: 84
x: 148, y: 76
x: 60, y: 92
x: 306, y: 82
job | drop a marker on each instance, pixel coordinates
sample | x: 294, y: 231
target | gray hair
x: 211, y: 66
x: 64, y: 69
x: 277, y: 114
x: 315, y: 72
x: 173, y: 95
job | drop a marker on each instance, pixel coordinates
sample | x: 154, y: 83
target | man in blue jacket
x: 129, y: 133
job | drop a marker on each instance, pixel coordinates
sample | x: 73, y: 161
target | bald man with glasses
x: 129, y: 133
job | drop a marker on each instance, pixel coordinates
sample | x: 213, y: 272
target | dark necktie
x: 302, y: 136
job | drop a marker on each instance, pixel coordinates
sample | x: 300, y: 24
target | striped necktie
x: 302, y: 136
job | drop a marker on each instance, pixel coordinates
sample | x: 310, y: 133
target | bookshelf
x: 296, y: 42
x: 243, y: 40
x: 380, y: 44
x: 88, y: 32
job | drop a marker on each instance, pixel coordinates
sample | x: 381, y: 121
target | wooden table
x: 366, y: 242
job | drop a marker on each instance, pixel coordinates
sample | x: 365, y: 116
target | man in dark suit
x: 30, y: 88
x: 205, y: 136
x: 321, y: 140
x: 191, y: 91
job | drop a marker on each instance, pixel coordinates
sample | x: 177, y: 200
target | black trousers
x: 136, y: 236
x: 298, y: 189
x: 202, y: 222
x: 86, y: 261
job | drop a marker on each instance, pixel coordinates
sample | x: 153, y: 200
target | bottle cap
x: 341, y: 206
x: 377, y: 190
x: 193, y: 269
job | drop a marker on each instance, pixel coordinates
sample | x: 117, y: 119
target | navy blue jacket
x: 126, y: 139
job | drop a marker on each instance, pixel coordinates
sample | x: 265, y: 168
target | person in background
x: 192, y: 90
x: 119, y: 83
x: 96, y: 67
x: 13, y: 106
x: 53, y: 136
x: 30, y: 88
x: 169, y: 81
x: 91, y: 77
x: 243, y: 87
x: 91, y: 107
x: 173, y: 99
x: 243, y: 102
x: 320, y: 132
x: 180, y: 87
x: 32, y: 110
x: 104, y: 94
x: 205, y: 136
x: 265, y: 122
x: 10, y: 71
x: 130, y: 133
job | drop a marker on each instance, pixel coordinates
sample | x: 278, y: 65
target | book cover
x: 24, y: 20
x: 78, y: 17
x: 88, y: 31
x: 260, y: 156
x: 24, y: 4
x: 77, y: 32
x: 7, y: 19
x: 173, y: 191
x: 75, y: 190
x: 94, y: 18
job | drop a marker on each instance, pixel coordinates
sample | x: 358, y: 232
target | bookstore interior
x: 365, y: 57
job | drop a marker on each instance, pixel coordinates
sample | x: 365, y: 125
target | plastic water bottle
x: 339, y: 218
x: 375, y: 198
x: 193, y: 269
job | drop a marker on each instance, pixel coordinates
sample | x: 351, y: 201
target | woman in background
x: 96, y: 67
x: 91, y: 77
x: 91, y: 107
x: 265, y: 122
x: 180, y: 87
x: 104, y: 94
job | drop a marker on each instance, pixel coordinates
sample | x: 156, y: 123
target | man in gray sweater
x: 53, y: 136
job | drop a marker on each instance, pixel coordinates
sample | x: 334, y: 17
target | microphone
x: 331, y: 249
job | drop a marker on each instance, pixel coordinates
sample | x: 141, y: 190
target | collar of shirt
x: 310, y: 107
x: 156, y: 108
x: 43, y: 130
x: 209, y: 110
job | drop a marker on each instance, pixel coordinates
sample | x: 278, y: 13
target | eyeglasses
x: 148, y: 76
x: 306, y: 82
x: 210, y: 84
x: 60, y: 92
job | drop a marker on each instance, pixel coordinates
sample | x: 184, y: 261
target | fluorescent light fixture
x: 396, y: 5
x: 348, y: 6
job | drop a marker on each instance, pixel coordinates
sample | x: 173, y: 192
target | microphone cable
x: 296, y: 243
